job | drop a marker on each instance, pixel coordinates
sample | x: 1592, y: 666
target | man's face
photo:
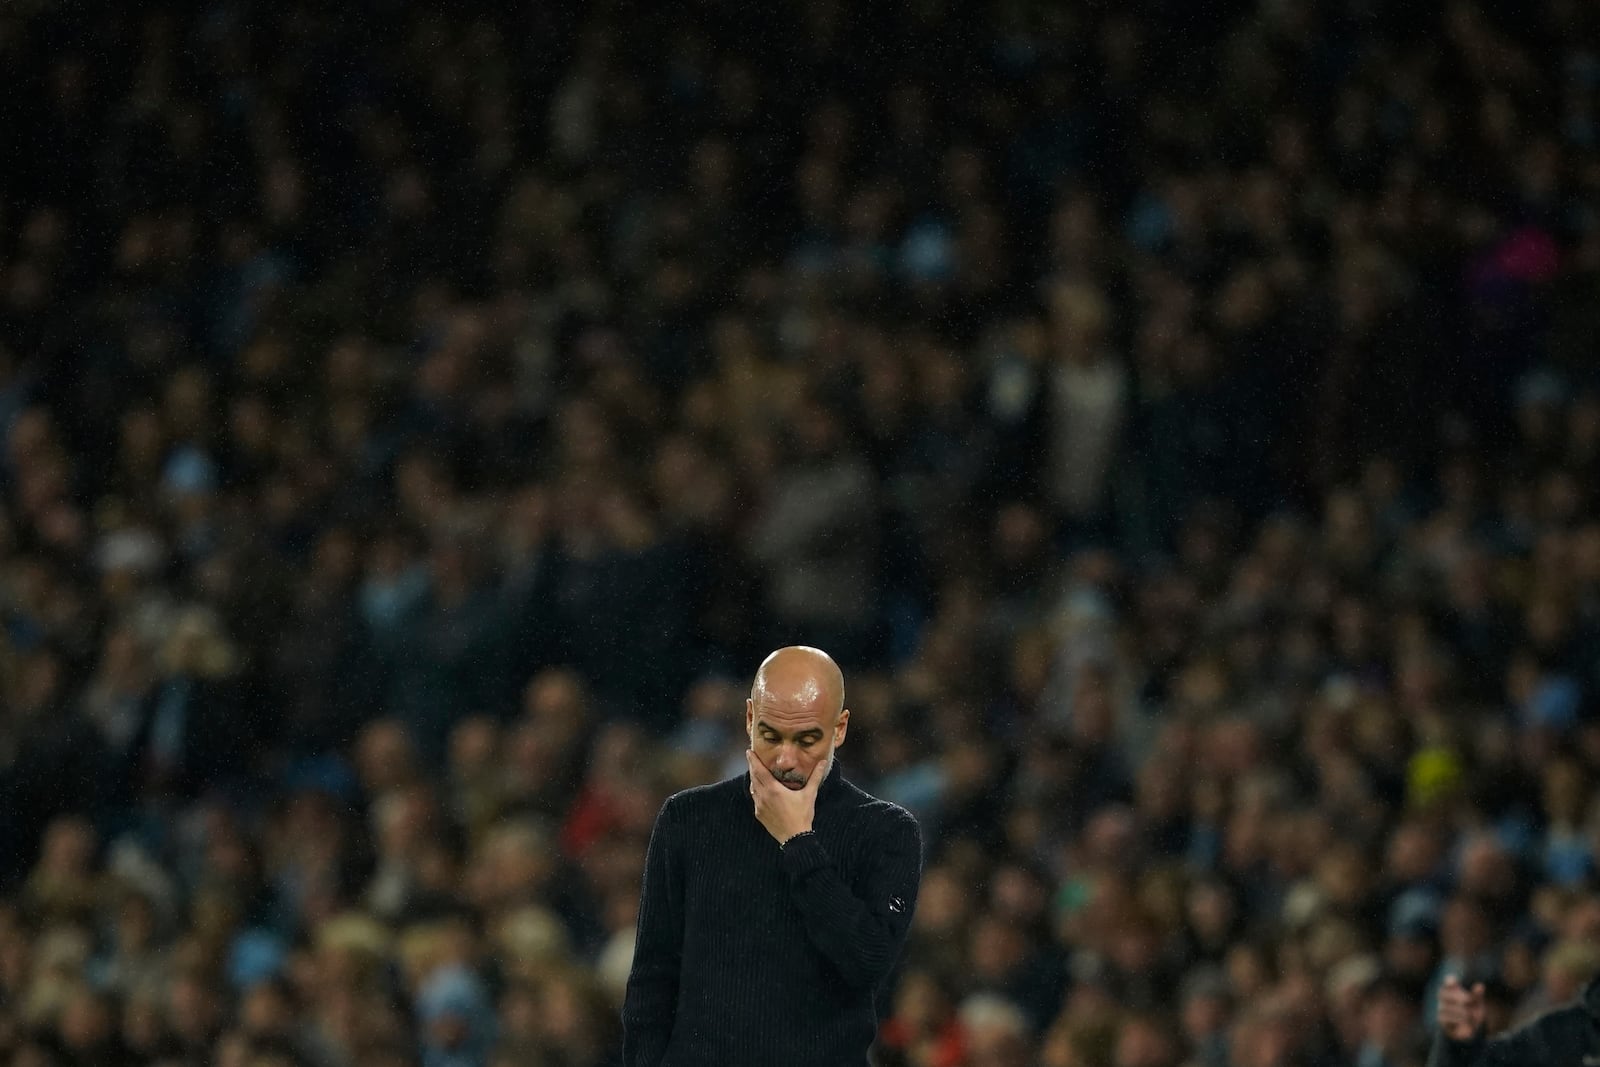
x: 792, y: 740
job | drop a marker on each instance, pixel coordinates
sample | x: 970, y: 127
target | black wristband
x: 795, y: 837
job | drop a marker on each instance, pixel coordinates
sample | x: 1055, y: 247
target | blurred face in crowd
x: 996, y: 1034
x: 86, y: 1021
x: 795, y: 715
x: 815, y: 429
x: 68, y: 848
x: 194, y: 1009
x: 1388, y: 1016
x: 519, y: 1013
x: 920, y: 1002
x: 1248, y: 968
x: 266, y: 1010
x: 142, y: 1024
x: 1565, y: 792
x: 385, y: 758
x: 1464, y: 932
x: 999, y: 1050
x: 1210, y: 908
x: 1136, y: 946
x: 942, y: 903
x: 1581, y: 921
x: 1019, y: 893
x: 996, y: 947
x: 1145, y: 1042
x: 1410, y: 953
x: 1203, y: 1015
x: 1487, y: 869
x: 472, y: 748
x: 1413, y: 853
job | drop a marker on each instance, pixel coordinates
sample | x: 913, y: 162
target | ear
x: 750, y: 719
x: 841, y: 727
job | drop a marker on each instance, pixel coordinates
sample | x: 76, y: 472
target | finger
x: 1451, y: 981
x: 1477, y: 991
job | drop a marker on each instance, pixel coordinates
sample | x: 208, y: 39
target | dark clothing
x: 1569, y: 1034
x: 750, y: 954
x: 194, y: 734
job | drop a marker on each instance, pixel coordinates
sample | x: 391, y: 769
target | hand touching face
x: 784, y: 811
x: 795, y: 718
x: 791, y: 747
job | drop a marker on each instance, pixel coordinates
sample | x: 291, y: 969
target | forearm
x: 1447, y: 1053
x: 861, y: 938
x: 1522, y: 1046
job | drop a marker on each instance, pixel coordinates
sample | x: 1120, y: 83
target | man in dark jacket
x: 775, y: 904
x: 1566, y: 1035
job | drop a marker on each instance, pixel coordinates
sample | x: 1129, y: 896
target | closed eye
x: 805, y: 740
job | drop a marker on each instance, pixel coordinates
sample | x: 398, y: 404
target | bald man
x: 775, y: 904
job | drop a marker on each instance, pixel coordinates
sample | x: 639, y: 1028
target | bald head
x: 800, y: 676
x: 795, y: 715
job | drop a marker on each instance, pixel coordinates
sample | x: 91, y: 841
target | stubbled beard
x: 794, y: 778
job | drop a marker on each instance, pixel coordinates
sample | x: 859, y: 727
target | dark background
x: 1181, y: 419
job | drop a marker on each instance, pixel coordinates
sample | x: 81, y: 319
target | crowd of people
x: 1180, y: 419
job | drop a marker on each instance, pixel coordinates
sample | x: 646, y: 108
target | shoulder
x: 1560, y: 1024
x: 1576, y: 1013
x: 702, y: 800
x: 884, y: 816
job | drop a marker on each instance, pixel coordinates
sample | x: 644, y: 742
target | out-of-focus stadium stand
x: 1180, y: 417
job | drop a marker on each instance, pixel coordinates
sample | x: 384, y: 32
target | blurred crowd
x: 1180, y: 418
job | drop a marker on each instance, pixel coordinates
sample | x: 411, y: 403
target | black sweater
x: 749, y: 955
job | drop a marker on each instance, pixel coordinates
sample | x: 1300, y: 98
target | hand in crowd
x: 1461, y: 1009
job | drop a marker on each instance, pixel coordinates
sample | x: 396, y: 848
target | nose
x: 785, y: 758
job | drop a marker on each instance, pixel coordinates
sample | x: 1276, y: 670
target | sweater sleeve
x: 861, y: 933
x: 1524, y: 1045
x: 650, y: 1003
x: 1446, y: 1052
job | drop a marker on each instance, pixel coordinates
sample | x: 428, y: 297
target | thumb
x: 1477, y: 992
x: 818, y: 773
